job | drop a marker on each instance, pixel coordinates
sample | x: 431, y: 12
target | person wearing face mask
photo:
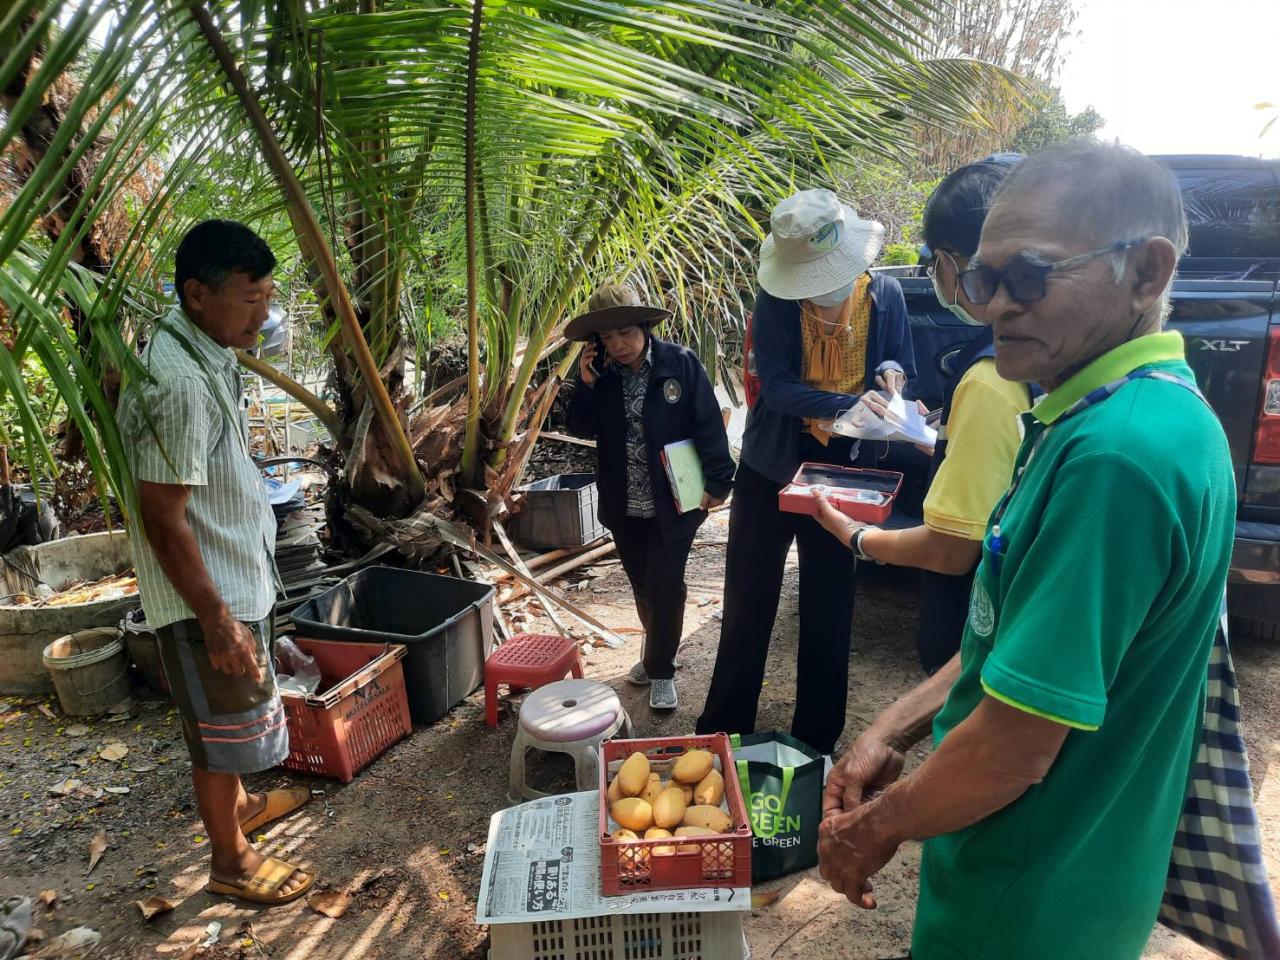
x: 977, y: 436
x: 826, y: 332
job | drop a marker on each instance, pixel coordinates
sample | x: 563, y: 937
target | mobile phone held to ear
x: 601, y: 358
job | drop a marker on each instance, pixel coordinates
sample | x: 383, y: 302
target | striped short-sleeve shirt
x: 187, y: 425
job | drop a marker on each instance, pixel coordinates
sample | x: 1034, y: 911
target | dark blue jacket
x: 597, y: 412
x: 770, y: 445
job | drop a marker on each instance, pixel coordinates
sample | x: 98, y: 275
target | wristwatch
x: 856, y: 544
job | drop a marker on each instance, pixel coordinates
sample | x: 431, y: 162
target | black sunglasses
x: 1026, y: 278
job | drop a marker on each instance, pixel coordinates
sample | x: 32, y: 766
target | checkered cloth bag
x: 1217, y: 892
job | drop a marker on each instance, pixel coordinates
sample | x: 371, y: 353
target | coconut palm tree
x: 518, y: 152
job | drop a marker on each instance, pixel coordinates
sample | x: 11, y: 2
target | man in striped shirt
x: 204, y: 553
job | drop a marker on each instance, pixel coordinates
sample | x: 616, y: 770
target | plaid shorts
x: 231, y: 724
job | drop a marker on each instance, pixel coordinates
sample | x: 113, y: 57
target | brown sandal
x: 264, y: 886
x: 280, y: 803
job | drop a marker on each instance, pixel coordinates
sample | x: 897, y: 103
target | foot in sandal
x: 259, y: 879
x: 264, y: 808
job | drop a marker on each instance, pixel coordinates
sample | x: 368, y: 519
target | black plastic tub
x: 446, y: 623
x: 558, y: 511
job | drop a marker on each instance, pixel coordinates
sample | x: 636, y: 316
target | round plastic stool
x: 568, y: 716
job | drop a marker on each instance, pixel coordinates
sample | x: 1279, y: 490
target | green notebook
x: 684, y: 472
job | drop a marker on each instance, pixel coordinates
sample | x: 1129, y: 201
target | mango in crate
x: 692, y: 767
x: 614, y: 793
x: 710, y: 790
x: 624, y: 834
x: 632, y: 813
x: 702, y: 815
x: 657, y: 833
x: 668, y: 809
x: 693, y: 832
x: 634, y: 775
x: 687, y: 791
x: 651, y: 789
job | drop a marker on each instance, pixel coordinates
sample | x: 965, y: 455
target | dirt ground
x: 409, y: 832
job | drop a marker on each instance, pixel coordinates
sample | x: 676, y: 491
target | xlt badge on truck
x: 1223, y: 346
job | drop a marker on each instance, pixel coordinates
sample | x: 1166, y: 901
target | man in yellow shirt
x: 978, y: 435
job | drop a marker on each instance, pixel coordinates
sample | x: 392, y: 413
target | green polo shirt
x: 1100, y: 614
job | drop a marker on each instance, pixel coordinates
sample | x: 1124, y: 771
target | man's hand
x: 891, y: 380
x: 231, y: 647
x: 709, y: 502
x: 866, y: 768
x: 850, y: 853
x: 587, y: 372
x: 833, y: 521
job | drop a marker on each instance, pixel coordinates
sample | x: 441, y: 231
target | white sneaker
x: 662, y: 695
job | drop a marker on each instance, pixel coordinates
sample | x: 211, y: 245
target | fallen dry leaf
x: 330, y: 903
x: 153, y: 906
x: 76, y: 730
x: 64, y: 787
x: 143, y: 767
x: 48, y: 898
x: 118, y: 791
x: 115, y: 751
x: 765, y: 899
x: 97, y: 847
x: 47, y: 712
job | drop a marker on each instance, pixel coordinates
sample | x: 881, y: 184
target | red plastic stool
x: 527, y: 661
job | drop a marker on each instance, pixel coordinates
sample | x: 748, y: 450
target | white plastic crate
x: 641, y: 936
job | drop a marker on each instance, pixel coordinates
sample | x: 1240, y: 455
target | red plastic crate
x: 838, y: 480
x: 720, y: 861
x: 360, y: 710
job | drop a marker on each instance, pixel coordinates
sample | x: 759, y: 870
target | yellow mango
x: 614, y: 792
x: 702, y: 815
x: 657, y: 833
x: 692, y: 832
x: 668, y: 809
x: 651, y: 789
x: 692, y: 767
x: 625, y: 835
x: 632, y: 813
x: 710, y: 789
x: 687, y: 791
x: 634, y: 775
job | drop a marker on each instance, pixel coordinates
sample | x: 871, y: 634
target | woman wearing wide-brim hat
x: 826, y: 331
x: 635, y: 395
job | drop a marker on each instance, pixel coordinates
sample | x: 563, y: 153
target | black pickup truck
x: 1226, y: 304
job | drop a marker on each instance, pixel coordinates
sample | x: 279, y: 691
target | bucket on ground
x: 144, y: 650
x: 90, y: 671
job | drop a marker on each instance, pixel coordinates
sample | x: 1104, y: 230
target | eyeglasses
x: 1024, y: 277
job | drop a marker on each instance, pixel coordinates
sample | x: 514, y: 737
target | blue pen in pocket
x: 996, y: 544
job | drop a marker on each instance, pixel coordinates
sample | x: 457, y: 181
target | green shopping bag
x: 781, y: 781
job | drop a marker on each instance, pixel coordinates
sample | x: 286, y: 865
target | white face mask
x: 958, y: 311
x: 834, y: 298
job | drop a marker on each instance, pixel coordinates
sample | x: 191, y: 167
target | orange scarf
x: 835, y: 357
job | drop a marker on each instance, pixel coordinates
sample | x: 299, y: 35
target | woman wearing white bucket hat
x: 825, y: 332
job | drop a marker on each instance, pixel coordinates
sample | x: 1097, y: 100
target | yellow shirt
x: 983, y: 434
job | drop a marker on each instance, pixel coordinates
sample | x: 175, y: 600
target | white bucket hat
x: 817, y: 245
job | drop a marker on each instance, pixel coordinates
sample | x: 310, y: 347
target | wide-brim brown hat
x: 613, y: 307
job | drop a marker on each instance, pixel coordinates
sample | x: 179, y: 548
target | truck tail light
x: 1266, y: 444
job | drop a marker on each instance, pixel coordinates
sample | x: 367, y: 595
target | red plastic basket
x: 360, y: 710
x: 720, y: 861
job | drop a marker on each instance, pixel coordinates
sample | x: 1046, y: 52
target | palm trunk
x: 471, y: 441
x: 311, y: 240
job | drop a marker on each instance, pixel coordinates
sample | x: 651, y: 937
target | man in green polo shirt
x: 1064, y: 748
